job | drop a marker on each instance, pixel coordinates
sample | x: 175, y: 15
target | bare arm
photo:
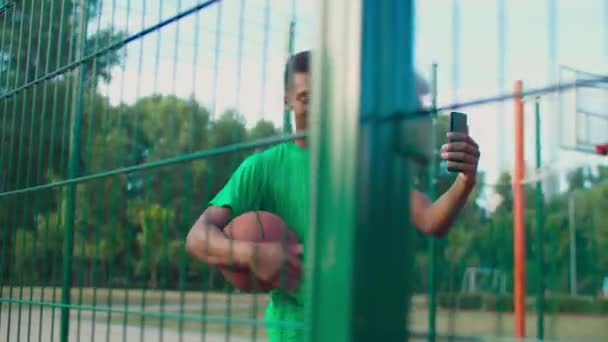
x: 207, y: 242
x: 436, y: 218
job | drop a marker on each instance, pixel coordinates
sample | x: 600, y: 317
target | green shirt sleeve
x: 244, y: 189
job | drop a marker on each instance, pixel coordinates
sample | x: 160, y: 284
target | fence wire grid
x: 121, y: 120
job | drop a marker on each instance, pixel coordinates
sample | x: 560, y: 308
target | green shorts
x: 283, y: 311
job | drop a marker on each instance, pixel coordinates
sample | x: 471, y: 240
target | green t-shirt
x: 275, y: 180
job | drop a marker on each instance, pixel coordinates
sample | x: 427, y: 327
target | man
x: 276, y: 180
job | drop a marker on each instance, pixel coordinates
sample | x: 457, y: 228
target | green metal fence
x: 108, y: 155
x: 566, y: 293
x: 122, y: 119
x: 465, y: 287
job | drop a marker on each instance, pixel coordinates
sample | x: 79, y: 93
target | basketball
x: 255, y: 226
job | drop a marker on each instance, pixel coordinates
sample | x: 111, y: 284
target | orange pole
x: 519, y: 229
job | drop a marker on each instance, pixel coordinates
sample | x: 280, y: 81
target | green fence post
x: 501, y: 265
x: 73, y: 172
x: 540, y: 300
x: 359, y: 259
x: 287, y: 129
x: 432, y: 180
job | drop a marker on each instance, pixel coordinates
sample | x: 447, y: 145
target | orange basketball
x: 256, y: 226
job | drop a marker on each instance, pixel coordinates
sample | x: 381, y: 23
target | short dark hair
x: 300, y: 62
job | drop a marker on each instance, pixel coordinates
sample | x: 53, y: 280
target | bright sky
x: 182, y: 59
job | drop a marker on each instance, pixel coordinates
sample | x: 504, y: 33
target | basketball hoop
x: 602, y: 149
x: 583, y: 115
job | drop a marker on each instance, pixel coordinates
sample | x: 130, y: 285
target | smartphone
x: 458, y: 123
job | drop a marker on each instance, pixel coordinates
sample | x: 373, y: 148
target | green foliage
x: 263, y: 129
x: 39, y: 135
x: 480, y: 238
x: 154, y: 222
x: 459, y: 242
x: 24, y: 241
x: 166, y: 126
x: 563, y: 304
x: 119, y: 218
x: 135, y: 224
x: 576, y: 305
x: 501, y: 302
x: 39, y: 38
x: 228, y: 129
x: 464, y: 301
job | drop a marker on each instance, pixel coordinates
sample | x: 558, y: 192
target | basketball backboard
x: 583, y: 110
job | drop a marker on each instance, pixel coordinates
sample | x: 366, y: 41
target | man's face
x: 298, y: 95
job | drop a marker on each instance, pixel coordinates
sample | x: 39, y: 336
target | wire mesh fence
x: 122, y: 120
x: 474, y: 265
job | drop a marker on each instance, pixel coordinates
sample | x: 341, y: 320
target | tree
x: 228, y: 129
x: 39, y: 38
x: 24, y: 256
x: 578, y: 178
x: 161, y: 127
x: 137, y: 223
x: 504, y: 188
x: 459, y: 241
x: 262, y: 129
x: 152, y: 240
x: 602, y: 174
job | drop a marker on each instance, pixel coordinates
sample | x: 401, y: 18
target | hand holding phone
x: 458, y: 124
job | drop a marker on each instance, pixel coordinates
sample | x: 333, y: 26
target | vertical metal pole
x: 287, y: 112
x: 455, y: 50
x: 497, y: 237
x: 605, y: 35
x: 360, y: 81
x: 501, y: 120
x: 432, y: 180
x: 519, y: 240
x: 540, y: 297
x: 572, y: 222
x: 554, y: 130
x: 73, y: 172
x: 331, y: 281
